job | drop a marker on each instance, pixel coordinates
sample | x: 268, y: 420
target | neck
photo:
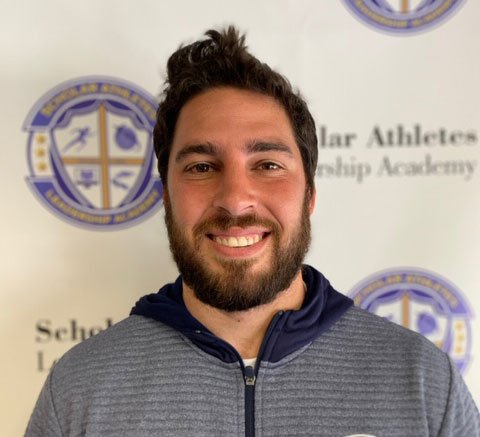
x: 244, y: 330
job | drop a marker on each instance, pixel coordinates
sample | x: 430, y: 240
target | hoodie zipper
x: 250, y: 375
x: 250, y: 378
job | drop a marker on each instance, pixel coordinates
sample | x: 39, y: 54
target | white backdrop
x: 60, y: 282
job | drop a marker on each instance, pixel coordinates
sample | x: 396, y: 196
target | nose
x: 235, y: 193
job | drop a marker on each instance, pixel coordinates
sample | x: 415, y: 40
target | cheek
x: 186, y: 206
x: 286, y: 205
x: 294, y: 189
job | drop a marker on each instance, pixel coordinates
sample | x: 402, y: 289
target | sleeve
x: 461, y: 415
x: 44, y: 421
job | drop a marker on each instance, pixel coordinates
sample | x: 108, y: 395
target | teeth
x: 238, y: 242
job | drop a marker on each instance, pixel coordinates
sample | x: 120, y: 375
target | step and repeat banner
x: 393, y: 85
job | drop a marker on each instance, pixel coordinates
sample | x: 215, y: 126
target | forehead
x: 227, y: 116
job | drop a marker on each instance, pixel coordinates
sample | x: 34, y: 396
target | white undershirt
x: 249, y: 362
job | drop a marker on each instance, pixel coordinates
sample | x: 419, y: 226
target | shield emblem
x: 421, y: 301
x: 415, y: 310
x: 99, y: 152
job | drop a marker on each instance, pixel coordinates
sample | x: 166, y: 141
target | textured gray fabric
x: 364, y: 375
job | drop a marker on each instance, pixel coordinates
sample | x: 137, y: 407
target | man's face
x: 237, y: 206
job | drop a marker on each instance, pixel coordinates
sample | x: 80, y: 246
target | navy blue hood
x: 288, y: 331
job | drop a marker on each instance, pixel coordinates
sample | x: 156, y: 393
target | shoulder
x: 380, y: 335
x: 127, y: 343
x: 385, y: 353
x: 393, y: 367
x: 400, y: 357
x: 133, y: 328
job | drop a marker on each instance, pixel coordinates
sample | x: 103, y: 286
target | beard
x: 236, y: 286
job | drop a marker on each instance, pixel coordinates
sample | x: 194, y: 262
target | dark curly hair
x: 221, y: 60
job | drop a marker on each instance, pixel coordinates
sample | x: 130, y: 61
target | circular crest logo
x: 402, y: 16
x: 90, y: 152
x: 423, y: 302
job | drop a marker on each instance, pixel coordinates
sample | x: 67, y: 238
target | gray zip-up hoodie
x: 329, y: 369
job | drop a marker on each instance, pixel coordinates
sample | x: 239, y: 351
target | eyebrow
x: 252, y: 147
x: 267, y: 146
x: 200, y: 149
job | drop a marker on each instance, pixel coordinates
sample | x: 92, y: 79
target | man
x: 247, y: 341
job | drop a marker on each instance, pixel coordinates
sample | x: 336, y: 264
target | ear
x: 313, y: 197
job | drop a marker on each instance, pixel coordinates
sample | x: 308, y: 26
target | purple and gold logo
x: 402, y: 16
x: 424, y: 302
x: 90, y: 155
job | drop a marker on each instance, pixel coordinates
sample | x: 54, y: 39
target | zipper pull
x: 249, y: 375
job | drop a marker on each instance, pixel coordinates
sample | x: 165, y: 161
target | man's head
x: 238, y: 194
x: 223, y: 60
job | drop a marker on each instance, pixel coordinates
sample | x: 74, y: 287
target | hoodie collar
x: 289, y: 330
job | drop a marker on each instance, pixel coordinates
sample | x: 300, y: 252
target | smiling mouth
x: 242, y: 241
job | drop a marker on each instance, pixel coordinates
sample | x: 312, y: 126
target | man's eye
x: 200, y: 168
x: 269, y: 166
